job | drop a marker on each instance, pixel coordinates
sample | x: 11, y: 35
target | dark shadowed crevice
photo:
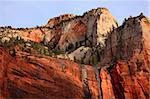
x: 146, y: 94
x: 37, y: 64
x: 117, y: 87
x: 86, y: 90
x: 98, y: 82
x: 18, y: 73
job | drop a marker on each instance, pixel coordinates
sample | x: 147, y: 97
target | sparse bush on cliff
x: 25, y: 46
x: 12, y: 42
x: 58, y: 52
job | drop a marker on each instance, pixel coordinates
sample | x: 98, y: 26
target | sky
x: 30, y: 13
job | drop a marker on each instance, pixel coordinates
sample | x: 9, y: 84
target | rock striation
x: 45, y: 77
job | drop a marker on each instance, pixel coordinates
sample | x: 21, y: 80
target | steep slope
x: 88, y: 30
x: 127, y: 61
x: 45, y: 77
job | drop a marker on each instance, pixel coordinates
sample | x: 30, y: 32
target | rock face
x: 122, y: 72
x: 33, y: 34
x: 82, y: 53
x: 3, y: 76
x: 130, y: 38
x: 36, y: 34
x: 57, y: 20
x: 127, y: 58
x: 87, y: 30
x: 45, y: 77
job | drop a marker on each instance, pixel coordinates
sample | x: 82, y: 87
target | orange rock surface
x: 39, y: 78
x: 45, y: 77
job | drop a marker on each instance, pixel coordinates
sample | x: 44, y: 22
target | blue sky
x: 30, y: 13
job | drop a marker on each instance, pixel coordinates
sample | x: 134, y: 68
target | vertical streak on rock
x: 86, y: 90
x: 111, y: 47
x: 106, y: 85
x: 117, y: 87
x: 98, y: 82
x: 134, y: 93
x: 119, y: 45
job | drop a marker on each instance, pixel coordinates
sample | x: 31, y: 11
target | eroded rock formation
x: 69, y: 32
x: 57, y: 20
x: 126, y: 60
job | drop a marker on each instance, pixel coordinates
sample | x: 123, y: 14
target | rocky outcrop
x: 36, y: 34
x: 33, y: 34
x: 90, y: 29
x: 129, y: 38
x: 81, y: 55
x: 87, y: 30
x: 57, y: 20
x: 126, y: 61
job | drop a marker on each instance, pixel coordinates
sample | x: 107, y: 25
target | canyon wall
x: 122, y: 53
x: 123, y: 42
x: 126, y: 62
x: 45, y: 77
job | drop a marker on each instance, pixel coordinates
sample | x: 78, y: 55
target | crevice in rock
x: 18, y: 73
x: 117, y: 87
x: 37, y: 87
x: 37, y: 76
x: 37, y: 64
x: 97, y: 72
x: 146, y: 95
x: 111, y: 46
x: 86, y: 90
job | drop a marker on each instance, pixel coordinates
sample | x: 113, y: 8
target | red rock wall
x: 126, y: 58
x: 46, y: 77
x: 3, y: 74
